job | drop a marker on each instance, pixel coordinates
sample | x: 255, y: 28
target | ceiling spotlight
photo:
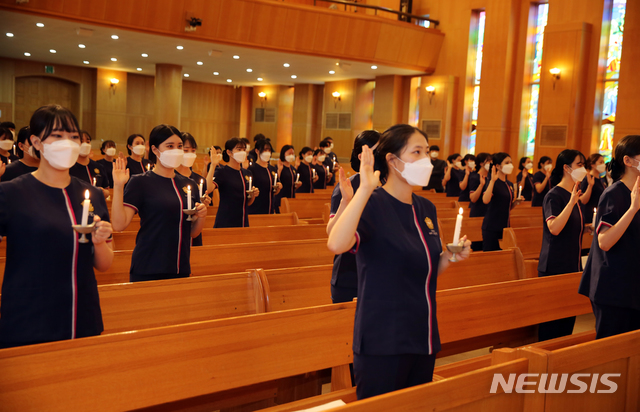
x: 40, y: 24
x: 293, y: 76
x: 199, y: 63
x: 286, y: 65
x: 179, y: 47
x: 139, y: 69
x: 52, y: 51
x: 186, y: 75
x: 144, y: 55
x: 86, y: 62
x: 332, y: 72
x: 215, y: 73
x: 9, y: 34
x: 229, y: 80
x: 27, y: 54
x: 113, y: 59
x: 82, y: 46
x: 374, y: 67
x: 249, y: 70
x: 115, y: 37
x: 236, y: 57
x: 260, y: 79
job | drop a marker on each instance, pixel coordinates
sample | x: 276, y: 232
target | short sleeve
x: 336, y: 198
x: 474, y: 182
x: 609, y: 211
x: 4, y: 212
x: 538, y: 177
x: 219, y: 177
x: 552, y: 206
x: 134, y: 193
x: 105, y: 178
x: 367, y: 223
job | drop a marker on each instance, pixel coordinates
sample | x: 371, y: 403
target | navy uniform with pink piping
x: 232, y: 185
x: 93, y: 170
x: 137, y: 168
x: 163, y: 242
x: 306, y: 178
x: 263, y: 179
x: 49, y: 291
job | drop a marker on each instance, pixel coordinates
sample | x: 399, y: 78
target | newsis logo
x: 579, y: 383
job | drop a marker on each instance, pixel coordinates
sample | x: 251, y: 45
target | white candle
x: 9, y: 161
x: 250, y: 181
x: 520, y: 192
x: 94, y: 181
x: 314, y: 173
x: 456, y: 232
x: 200, y: 187
x: 189, y: 197
x: 297, y: 177
x: 85, y: 209
x: 334, y: 165
x: 14, y: 149
x: 327, y: 170
x: 594, y: 218
x: 148, y: 166
x: 275, y: 182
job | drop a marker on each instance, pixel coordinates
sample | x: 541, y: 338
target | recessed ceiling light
x: 139, y: 69
x: 215, y: 73
x: 40, y: 24
x: 82, y: 46
x: 332, y: 72
x: 286, y: 65
x: 249, y: 70
x: 52, y: 51
x: 229, y: 80
x: 260, y: 79
x: 144, y: 55
x: 9, y: 34
x: 27, y: 54
x: 179, y: 47
x: 293, y: 76
x: 115, y: 37
x: 186, y: 75
x: 113, y: 59
x: 86, y: 62
x: 374, y: 67
x: 199, y: 63
x: 236, y: 57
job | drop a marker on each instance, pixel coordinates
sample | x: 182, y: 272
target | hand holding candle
x: 458, y: 228
x: 189, y: 197
x: 298, y: 178
x: 85, y: 209
x: 200, y: 187
x: 250, y: 182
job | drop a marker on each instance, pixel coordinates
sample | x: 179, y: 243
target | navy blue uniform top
x: 612, y: 278
x: 437, y: 174
x: 561, y: 253
x: 288, y: 179
x: 49, y: 291
x: 538, y: 198
x: 528, y: 188
x: 263, y: 179
x: 453, y: 185
x: 252, y: 156
x: 89, y: 172
x: 596, y: 192
x: 16, y: 169
x: 345, y: 270
x: 163, y: 241
x: 328, y: 161
x: 496, y: 217
x: 464, y: 193
x: 477, y: 209
x: 11, y: 157
x: 196, y: 178
x: 232, y: 185
x: 306, y: 178
x: 321, y: 171
x: 397, y: 258
x: 137, y: 168
x: 107, y: 166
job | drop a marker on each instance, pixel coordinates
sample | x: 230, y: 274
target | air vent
x: 338, y: 121
x: 432, y: 128
x: 553, y: 135
x: 265, y: 115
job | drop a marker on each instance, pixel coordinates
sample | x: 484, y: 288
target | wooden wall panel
x: 163, y: 15
x: 94, y: 9
x: 303, y: 25
x: 387, y: 49
x: 129, y: 13
x: 361, y: 38
x: 285, y: 115
x: 331, y: 34
x: 410, y: 39
x: 270, y: 130
x: 140, y: 104
x: 235, y: 19
x: 273, y: 34
x: 387, y: 107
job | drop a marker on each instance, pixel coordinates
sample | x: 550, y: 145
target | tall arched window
x: 477, y: 42
x: 542, y: 11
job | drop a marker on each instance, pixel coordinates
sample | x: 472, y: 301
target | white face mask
x: 417, y: 173
x: 327, y: 150
x: 601, y: 168
x: 578, y: 174
x: 189, y: 159
x: 138, y: 150
x: 458, y: 164
x: 528, y: 166
x: 331, y: 147
x: 487, y: 166
x: 471, y: 164
x: 308, y: 159
x: 265, y: 156
x: 111, y: 151
x: 240, y: 157
x: 32, y: 152
x: 61, y: 154
x: 171, y: 158
x: 434, y: 155
x: 321, y: 158
x: 507, y: 169
x: 6, y: 144
x: 85, y: 149
x: 548, y: 167
x: 219, y: 156
x: 290, y: 158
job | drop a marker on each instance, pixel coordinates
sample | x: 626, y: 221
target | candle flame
x: 189, y: 187
x: 461, y: 211
x: 201, y: 181
x: 86, y: 194
x: 594, y: 210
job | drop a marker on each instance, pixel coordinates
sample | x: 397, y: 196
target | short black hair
x: 83, y: 132
x: 188, y: 138
x: 367, y: 138
x: 23, y: 135
x: 468, y: 157
x: 263, y: 144
x: 305, y: 150
x: 232, y: 144
x: 5, y: 134
x: 434, y: 148
x: 566, y: 157
x: 324, y: 143
x: 627, y: 146
x: 453, y: 157
x: 481, y: 158
x: 523, y: 160
x: 103, y: 146
x: 130, y: 140
x: 258, y: 137
x: 8, y: 125
x: 158, y: 135
x: 284, y: 150
x: 543, y: 160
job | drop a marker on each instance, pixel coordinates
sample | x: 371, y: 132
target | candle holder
x: 84, y: 230
x: 455, y: 248
x: 202, y: 199
x: 189, y: 212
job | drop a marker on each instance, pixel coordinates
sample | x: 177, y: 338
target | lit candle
x: 314, y: 173
x: 85, y: 209
x: 275, y: 182
x: 327, y: 170
x: 250, y: 181
x: 9, y: 161
x: 14, y: 149
x: 148, y: 166
x: 456, y: 232
x: 334, y: 165
x: 94, y: 181
x: 298, y: 178
x: 520, y: 192
x: 200, y: 187
x: 594, y: 218
x: 189, y: 197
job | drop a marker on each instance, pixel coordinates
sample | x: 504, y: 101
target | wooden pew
x: 529, y: 240
x: 304, y: 208
x: 526, y: 220
x: 281, y: 219
x: 471, y: 226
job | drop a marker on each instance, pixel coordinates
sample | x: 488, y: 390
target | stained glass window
x: 479, y: 41
x: 611, y: 78
x: 542, y: 11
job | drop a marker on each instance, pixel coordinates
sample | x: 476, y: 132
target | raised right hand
x: 635, y: 196
x: 120, y: 172
x: 213, y: 157
x: 575, y: 194
x: 494, y: 175
x: 369, y: 178
x: 346, y: 190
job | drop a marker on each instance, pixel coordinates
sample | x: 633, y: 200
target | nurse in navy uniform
x: 468, y: 167
x: 318, y: 164
x: 541, y: 181
x: 592, y: 186
x: 108, y: 149
x: 49, y: 292
x: 525, y: 179
x: 232, y: 181
x: 478, y: 181
x: 264, y: 180
x: 28, y: 162
x: 162, y: 248
x: 136, y: 163
x: 88, y: 169
x: 6, y: 145
x: 307, y: 178
x: 562, y: 231
x: 399, y: 258
x: 453, y: 175
x: 610, y: 278
x: 287, y: 174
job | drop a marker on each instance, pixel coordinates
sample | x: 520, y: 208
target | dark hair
x: 232, y: 144
x: 591, y: 161
x: 481, y: 158
x: 8, y: 125
x: 453, y: 157
x: 5, y: 134
x: 246, y: 141
x: 434, y: 148
x: 566, y: 157
x: 318, y: 152
x: 263, y: 144
x: 83, y: 132
x: 468, y: 157
x: 393, y: 141
x: 259, y: 137
x: 627, y: 146
x: 130, y: 140
x: 23, y: 135
x: 303, y: 151
x: 158, y: 135
x: 49, y: 118
x: 497, y: 159
x: 367, y: 138
x: 187, y: 137
x: 217, y: 148
x: 326, y: 139
x: 284, y: 150
x: 324, y: 143
x: 523, y: 160
x: 106, y: 143
x: 543, y: 160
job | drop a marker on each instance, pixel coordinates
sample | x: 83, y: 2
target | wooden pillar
x: 168, y: 94
x: 111, y: 106
x: 439, y: 106
x: 246, y: 101
x: 285, y: 115
x: 307, y: 120
x: 387, y: 106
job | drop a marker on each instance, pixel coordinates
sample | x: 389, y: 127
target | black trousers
x: 491, y: 240
x: 340, y: 294
x: 614, y: 320
x: 555, y: 328
x: 376, y: 375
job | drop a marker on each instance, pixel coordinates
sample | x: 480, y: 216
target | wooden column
x: 307, y: 114
x: 111, y: 106
x: 387, y: 106
x: 246, y: 99
x: 168, y: 94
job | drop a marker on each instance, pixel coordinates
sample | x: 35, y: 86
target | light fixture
x: 260, y: 79
x: 86, y: 62
x: 555, y: 73
x: 249, y: 70
x: 263, y: 98
x: 40, y: 25
x: 9, y: 34
x: 113, y: 82
x: 82, y: 46
x: 374, y: 67
x: 216, y: 73
x: 139, y: 69
x: 144, y: 55
x: 332, y: 72
x: 229, y: 80
x: 52, y: 51
x: 115, y: 37
x: 113, y: 59
x: 179, y: 47
x: 336, y: 98
x: 236, y: 57
x: 338, y: 64
x: 199, y: 63
x: 27, y: 54
x: 431, y: 91
x: 293, y: 76
x: 286, y: 65
x: 186, y: 75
